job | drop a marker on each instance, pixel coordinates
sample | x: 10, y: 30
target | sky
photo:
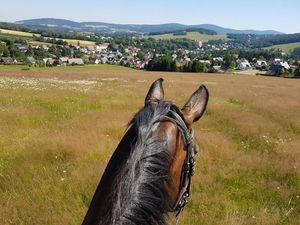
x: 280, y: 15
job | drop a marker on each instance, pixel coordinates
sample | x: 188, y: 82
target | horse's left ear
x: 155, y: 93
x: 195, y: 107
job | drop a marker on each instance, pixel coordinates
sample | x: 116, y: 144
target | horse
x: 149, y: 174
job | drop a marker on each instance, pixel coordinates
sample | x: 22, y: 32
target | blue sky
x: 281, y: 15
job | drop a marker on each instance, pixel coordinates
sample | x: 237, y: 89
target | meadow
x: 191, y: 35
x: 287, y: 48
x: 28, y: 36
x: 59, y: 127
x: 18, y: 33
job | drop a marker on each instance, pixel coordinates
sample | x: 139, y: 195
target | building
x: 49, y: 61
x: 76, y: 61
x: 30, y: 60
x: 7, y: 60
x: 261, y: 65
x: 63, y: 61
x: 278, y: 67
x: 243, y: 64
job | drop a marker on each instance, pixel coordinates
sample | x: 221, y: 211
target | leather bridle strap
x: 188, y: 167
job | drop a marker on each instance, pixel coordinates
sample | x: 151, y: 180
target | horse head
x: 149, y: 174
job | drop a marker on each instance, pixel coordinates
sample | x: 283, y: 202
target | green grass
x: 60, y: 126
x: 285, y: 47
x: 191, y: 35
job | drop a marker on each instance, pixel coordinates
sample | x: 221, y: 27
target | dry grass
x: 18, y: 33
x: 59, y: 126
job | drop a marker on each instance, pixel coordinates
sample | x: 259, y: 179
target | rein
x: 190, y: 147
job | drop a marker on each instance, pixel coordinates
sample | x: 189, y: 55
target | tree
x: 112, y: 47
x: 230, y: 60
x: 198, y: 67
x: 297, y: 72
x: 29, y: 51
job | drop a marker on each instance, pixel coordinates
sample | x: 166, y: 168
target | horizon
x: 232, y: 14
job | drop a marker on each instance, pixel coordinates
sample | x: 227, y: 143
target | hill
x: 222, y: 30
x: 62, y: 24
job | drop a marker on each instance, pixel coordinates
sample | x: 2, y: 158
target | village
x: 131, y: 56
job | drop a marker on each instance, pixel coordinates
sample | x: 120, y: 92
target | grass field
x: 191, y: 35
x: 59, y: 127
x: 286, y: 47
x: 81, y: 42
x: 28, y: 36
x: 17, y: 33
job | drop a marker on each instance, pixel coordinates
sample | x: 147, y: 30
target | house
x: 243, y: 64
x: 261, y: 65
x: 103, y: 59
x: 91, y: 49
x: 49, y: 61
x: 63, y: 61
x: 22, y: 48
x: 75, y: 61
x: 206, y: 62
x: 278, y: 67
x: 30, y: 60
x: 44, y: 47
x: 7, y: 60
x: 103, y: 47
x: 285, y: 65
x: 218, y: 59
x: 200, y: 44
x: 219, y: 69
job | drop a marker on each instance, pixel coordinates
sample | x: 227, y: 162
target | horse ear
x: 195, y: 107
x: 155, y: 93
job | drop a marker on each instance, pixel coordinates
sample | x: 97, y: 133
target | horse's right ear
x: 195, y: 107
x: 155, y: 93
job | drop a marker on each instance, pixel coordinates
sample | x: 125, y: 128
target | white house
x: 260, y: 64
x: 243, y: 64
x: 63, y: 60
x: 207, y: 62
x: 75, y: 61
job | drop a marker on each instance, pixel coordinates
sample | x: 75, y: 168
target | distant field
x: 191, y: 35
x: 286, y: 47
x: 75, y: 42
x: 60, y: 126
x: 29, y: 35
x: 18, y: 33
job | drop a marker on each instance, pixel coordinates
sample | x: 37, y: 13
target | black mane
x: 131, y: 190
x: 141, y: 196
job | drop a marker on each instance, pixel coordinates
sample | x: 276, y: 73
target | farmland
x: 59, y: 127
x: 28, y: 36
x: 17, y: 33
x: 287, y: 48
x: 191, y: 35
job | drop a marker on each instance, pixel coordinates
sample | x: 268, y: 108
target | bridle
x: 191, y: 147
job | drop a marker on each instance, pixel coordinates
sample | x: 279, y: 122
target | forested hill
x: 65, y: 25
x: 260, y: 41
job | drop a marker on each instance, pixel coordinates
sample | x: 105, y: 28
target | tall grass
x: 59, y: 127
